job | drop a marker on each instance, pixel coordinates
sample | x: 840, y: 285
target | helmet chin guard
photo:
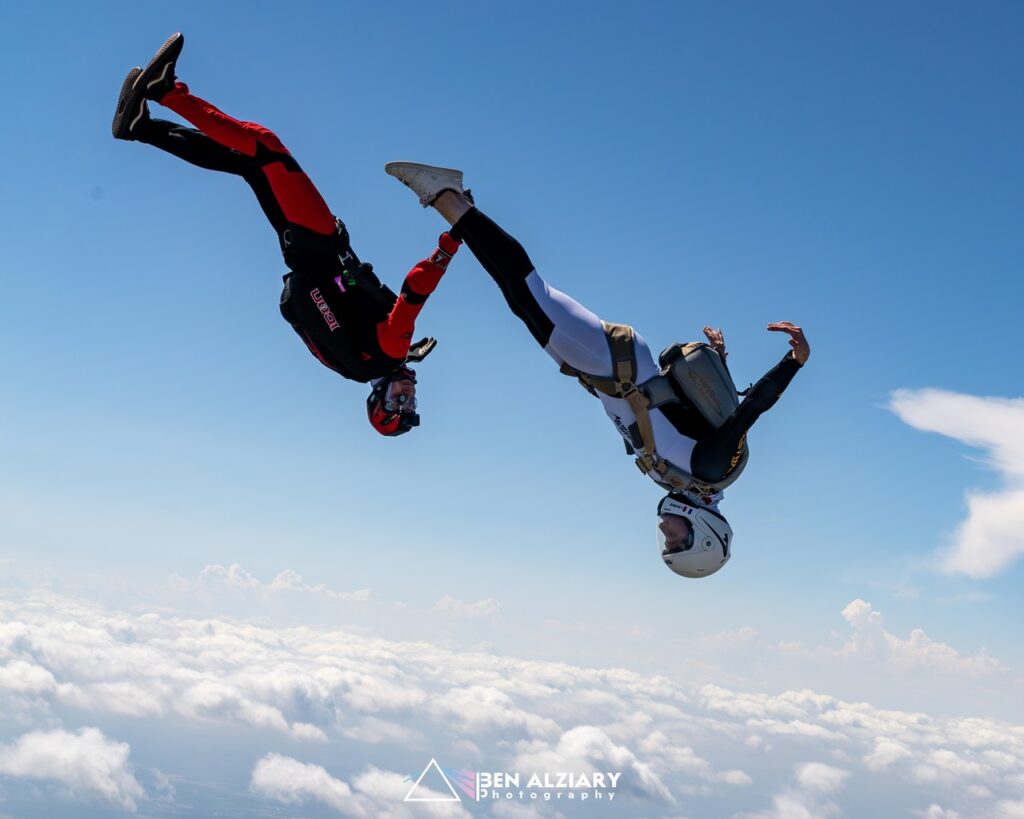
x: 709, y: 545
x: 392, y: 416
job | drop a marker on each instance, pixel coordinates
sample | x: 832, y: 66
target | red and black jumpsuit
x: 348, y: 319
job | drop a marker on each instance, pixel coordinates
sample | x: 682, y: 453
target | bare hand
x: 797, y: 340
x: 716, y: 340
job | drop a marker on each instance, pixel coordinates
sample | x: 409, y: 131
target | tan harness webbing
x: 622, y: 384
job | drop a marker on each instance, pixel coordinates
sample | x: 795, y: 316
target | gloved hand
x: 421, y: 349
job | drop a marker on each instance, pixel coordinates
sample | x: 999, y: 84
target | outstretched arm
x: 763, y: 395
x: 801, y: 349
x: 716, y: 456
x: 395, y: 334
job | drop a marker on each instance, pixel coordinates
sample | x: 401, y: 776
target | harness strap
x: 565, y: 369
x: 622, y: 384
x: 648, y: 455
x: 622, y: 343
x: 620, y: 338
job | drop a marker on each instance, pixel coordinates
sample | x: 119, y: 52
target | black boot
x: 157, y: 78
x: 131, y: 109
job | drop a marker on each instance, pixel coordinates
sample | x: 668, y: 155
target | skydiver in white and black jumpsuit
x: 571, y: 334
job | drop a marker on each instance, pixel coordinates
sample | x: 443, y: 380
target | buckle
x: 644, y: 462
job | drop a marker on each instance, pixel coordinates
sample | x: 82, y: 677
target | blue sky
x: 855, y: 168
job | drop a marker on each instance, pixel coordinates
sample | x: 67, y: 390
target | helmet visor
x: 675, y: 534
x: 400, y: 404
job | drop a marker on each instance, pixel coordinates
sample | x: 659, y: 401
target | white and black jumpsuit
x: 571, y: 334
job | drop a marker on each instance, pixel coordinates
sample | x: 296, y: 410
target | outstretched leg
x: 193, y: 146
x: 286, y: 194
x: 222, y: 143
x: 567, y: 330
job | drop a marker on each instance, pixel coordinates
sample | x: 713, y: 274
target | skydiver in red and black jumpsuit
x: 349, y: 320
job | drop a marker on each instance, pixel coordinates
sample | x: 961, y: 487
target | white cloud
x: 735, y: 777
x: 236, y: 578
x: 517, y: 810
x: 992, y: 536
x: 757, y: 742
x: 374, y: 792
x: 587, y: 748
x: 486, y: 712
x: 287, y: 780
x: 20, y: 677
x: 820, y: 778
x: 790, y: 706
x: 384, y: 792
x: 479, y: 708
x: 937, y: 812
x: 946, y: 765
x: 918, y: 652
x: 808, y: 797
x: 233, y: 576
x: 886, y: 752
x: 671, y: 758
x: 371, y: 729
x: 86, y: 763
x: 729, y: 639
x: 216, y: 700
x: 481, y: 608
x: 1010, y: 809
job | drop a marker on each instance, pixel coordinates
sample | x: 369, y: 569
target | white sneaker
x: 426, y: 181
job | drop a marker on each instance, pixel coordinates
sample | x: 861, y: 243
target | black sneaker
x: 131, y: 107
x: 157, y: 78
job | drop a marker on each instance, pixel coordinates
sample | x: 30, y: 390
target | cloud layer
x: 992, y: 536
x: 319, y: 704
x: 87, y: 763
x: 374, y: 793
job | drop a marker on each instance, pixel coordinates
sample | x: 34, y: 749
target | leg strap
x: 622, y: 384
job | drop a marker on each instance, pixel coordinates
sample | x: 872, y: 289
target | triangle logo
x: 442, y: 790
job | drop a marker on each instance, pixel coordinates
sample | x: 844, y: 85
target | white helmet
x: 710, y: 542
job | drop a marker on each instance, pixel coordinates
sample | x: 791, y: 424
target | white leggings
x: 578, y: 337
x: 567, y: 330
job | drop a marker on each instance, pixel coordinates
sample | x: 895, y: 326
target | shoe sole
x: 120, y: 128
x: 162, y: 63
x: 394, y: 168
x: 389, y: 166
